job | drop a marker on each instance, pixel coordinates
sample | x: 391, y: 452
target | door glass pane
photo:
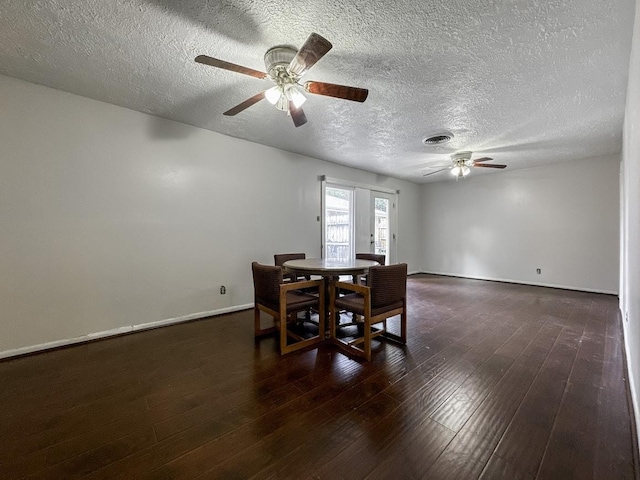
x: 338, y: 223
x: 381, y: 226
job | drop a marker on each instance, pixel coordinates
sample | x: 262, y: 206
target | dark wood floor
x: 497, y: 381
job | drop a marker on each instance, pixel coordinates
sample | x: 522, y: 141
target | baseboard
x: 631, y: 379
x: 119, y: 331
x: 520, y: 282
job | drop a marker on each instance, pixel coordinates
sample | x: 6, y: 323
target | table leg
x: 330, y: 291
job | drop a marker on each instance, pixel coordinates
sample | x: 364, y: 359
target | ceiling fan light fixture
x: 282, y: 103
x: 273, y: 94
x: 460, y: 171
x: 294, y: 95
x: 281, y: 95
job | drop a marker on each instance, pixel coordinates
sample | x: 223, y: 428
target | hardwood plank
x: 464, y: 457
x: 73, y: 423
x: 292, y: 445
x: 269, y: 446
x: 499, y: 469
x: 525, y: 440
x: 154, y: 457
x: 212, y: 409
x: 614, y: 457
x: 457, y: 409
x: 21, y: 466
x: 398, y: 450
x: 496, y: 412
x: 570, y: 451
x: 92, y: 460
x: 469, y: 451
x: 411, y: 453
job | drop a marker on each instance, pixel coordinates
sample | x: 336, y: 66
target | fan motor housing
x: 465, y: 156
x: 279, y: 56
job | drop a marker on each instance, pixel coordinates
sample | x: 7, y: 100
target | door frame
x: 347, y: 184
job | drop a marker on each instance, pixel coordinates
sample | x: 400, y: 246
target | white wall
x: 630, y: 225
x: 111, y: 218
x: 561, y: 218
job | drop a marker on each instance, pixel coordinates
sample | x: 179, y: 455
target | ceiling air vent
x: 438, y: 138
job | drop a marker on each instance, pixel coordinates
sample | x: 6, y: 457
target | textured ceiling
x: 526, y: 82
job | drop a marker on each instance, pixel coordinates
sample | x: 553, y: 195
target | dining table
x: 330, y: 270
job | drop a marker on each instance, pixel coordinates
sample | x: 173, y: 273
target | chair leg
x: 367, y: 338
x: 283, y: 332
x: 403, y: 325
x: 257, y: 328
x: 256, y: 321
x: 321, y: 320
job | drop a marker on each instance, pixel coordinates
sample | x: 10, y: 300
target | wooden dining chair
x: 385, y: 296
x: 280, y: 258
x: 376, y: 257
x: 283, y: 301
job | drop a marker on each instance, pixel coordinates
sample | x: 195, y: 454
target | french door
x: 338, y: 222
x: 358, y: 219
x: 382, y: 234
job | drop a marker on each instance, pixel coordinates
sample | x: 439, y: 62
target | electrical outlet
x: 223, y: 290
x: 626, y: 316
x: 538, y: 271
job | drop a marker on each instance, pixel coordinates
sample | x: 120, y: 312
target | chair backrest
x: 371, y: 256
x: 280, y: 258
x: 266, y: 283
x: 388, y: 284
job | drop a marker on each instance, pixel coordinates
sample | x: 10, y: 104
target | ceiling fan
x: 285, y: 66
x: 461, y: 164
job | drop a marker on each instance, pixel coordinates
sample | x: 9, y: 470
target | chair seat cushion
x: 310, y: 290
x: 299, y: 300
x: 296, y: 301
x: 354, y: 302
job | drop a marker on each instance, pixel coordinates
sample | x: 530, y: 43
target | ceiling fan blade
x: 214, y: 62
x: 337, y: 91
x: 488, y: 165
x: 439, y: 165
x: 313, y: 50
x: 437, y: 171
x: 297, y: 115
x: 483, y: 159
x: 244, y: 105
